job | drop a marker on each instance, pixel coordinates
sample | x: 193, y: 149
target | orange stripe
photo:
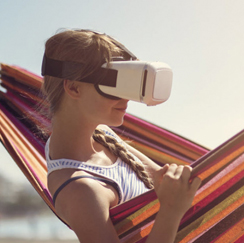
x: 8, y: 142
x: 233, y: 234
x: 136, y: 237
x: 12, y: 87
x: 222, y: 163
x: 22, y: 143
x: 214, y: 186
x: 213, y: 216
x: 163, y: 141
x: 198, y: 230
x: 26, y: 77
x: 154, y: 154
x: 137, y: 217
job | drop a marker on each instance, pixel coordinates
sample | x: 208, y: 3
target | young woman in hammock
x: 90, y: 168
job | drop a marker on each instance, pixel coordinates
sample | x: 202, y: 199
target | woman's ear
x: 72, y: 88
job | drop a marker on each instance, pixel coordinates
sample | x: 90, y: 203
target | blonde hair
x: 119, y: 150
x: 85, y: 47
x: 90, y: 49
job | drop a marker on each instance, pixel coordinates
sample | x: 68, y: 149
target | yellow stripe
x: 222, y: 163
x: 233, y: 234
x: 214, y: 215
x: 163, y: 141
x: 137, y: 217
x: 156, y: 155
x: 214, y: 186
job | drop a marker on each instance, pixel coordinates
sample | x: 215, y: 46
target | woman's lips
x: 123, y: 109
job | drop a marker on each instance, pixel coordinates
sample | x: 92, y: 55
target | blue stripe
x: 125, y: 176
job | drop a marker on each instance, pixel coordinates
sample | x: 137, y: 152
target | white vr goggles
x: 146, y: 82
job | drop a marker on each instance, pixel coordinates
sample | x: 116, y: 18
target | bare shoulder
x: 82, y: 191
x: 84, y: 204
x: 82, y: 184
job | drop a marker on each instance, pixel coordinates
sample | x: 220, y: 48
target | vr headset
x: 146, y: 82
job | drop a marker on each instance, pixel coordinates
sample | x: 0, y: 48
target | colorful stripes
x: 218, y: 208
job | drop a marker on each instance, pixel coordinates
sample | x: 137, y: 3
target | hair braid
x: 119, y: 150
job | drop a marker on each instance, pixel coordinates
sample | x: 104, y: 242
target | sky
x: 201, y: 40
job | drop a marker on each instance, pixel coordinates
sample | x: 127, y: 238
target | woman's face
x: 99, y: 109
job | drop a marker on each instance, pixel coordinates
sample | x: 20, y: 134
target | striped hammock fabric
x: 217, y: 213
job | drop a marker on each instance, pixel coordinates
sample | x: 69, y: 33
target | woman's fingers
x: 186, y: 174
x: 158, y: 175
x: 174, y: 188
x: 179, y: 172
x: 176, y: 172
x: 171, y: 170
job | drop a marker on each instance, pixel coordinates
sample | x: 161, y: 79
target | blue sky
x: 201, y: 40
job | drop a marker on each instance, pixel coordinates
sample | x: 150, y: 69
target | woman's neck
x: 71, y: 137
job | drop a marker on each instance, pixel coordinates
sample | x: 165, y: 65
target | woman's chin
x: 116, y: 122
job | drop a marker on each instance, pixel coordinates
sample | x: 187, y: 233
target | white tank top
x: 126, y: 179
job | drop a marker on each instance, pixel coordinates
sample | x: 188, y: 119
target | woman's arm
x: 84, y: 204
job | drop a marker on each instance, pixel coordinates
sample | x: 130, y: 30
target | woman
x: 90, y: 168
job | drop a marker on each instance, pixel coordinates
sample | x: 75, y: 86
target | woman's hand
x: 173, y: 188
x: 175, y: 193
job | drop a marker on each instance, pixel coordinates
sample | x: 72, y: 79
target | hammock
x: 218, y: 207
